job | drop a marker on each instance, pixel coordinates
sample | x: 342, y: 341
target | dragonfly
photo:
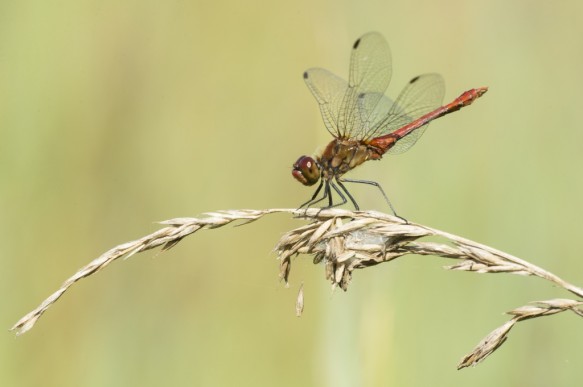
x: 364, y: 122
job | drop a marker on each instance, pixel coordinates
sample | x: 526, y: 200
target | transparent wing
x: 328, y: 89
x: 369, y: 74
x: 422, y: 95
x: 372, y: 108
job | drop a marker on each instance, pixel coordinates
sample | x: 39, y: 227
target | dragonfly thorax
x: 341, y: 156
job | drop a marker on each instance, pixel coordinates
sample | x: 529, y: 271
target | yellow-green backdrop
x: 117, y: 114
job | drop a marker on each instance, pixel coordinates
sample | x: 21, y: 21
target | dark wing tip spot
x: 305, y: 75
x: 361, y: 95
x: 414, y: 79
x: 356, y: 44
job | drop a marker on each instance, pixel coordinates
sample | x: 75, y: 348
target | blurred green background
x: 117, y: 114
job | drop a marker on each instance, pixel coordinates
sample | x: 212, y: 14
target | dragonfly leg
x: 325, y: 196
x: 374, y: 183
x: 344, y: 201
x: 328, y: 194
x: 347, y: 193
x: 314, y: 200
x: 311, y: 201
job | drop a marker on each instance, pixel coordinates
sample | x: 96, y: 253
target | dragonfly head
x: 306, y: 170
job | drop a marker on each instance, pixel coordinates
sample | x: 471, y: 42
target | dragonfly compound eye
x: 306, y: 170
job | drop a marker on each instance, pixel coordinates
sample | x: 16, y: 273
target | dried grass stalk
x: 498, y: 336
x: 344, y: 241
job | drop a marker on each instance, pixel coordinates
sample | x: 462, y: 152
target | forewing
x: 329, y: 90
x: 422, y: 95
x: 369, y: 75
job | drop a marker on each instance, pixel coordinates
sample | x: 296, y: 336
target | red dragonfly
x: 364, y: 122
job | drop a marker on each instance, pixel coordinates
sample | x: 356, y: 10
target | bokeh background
x: 117, y: 114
